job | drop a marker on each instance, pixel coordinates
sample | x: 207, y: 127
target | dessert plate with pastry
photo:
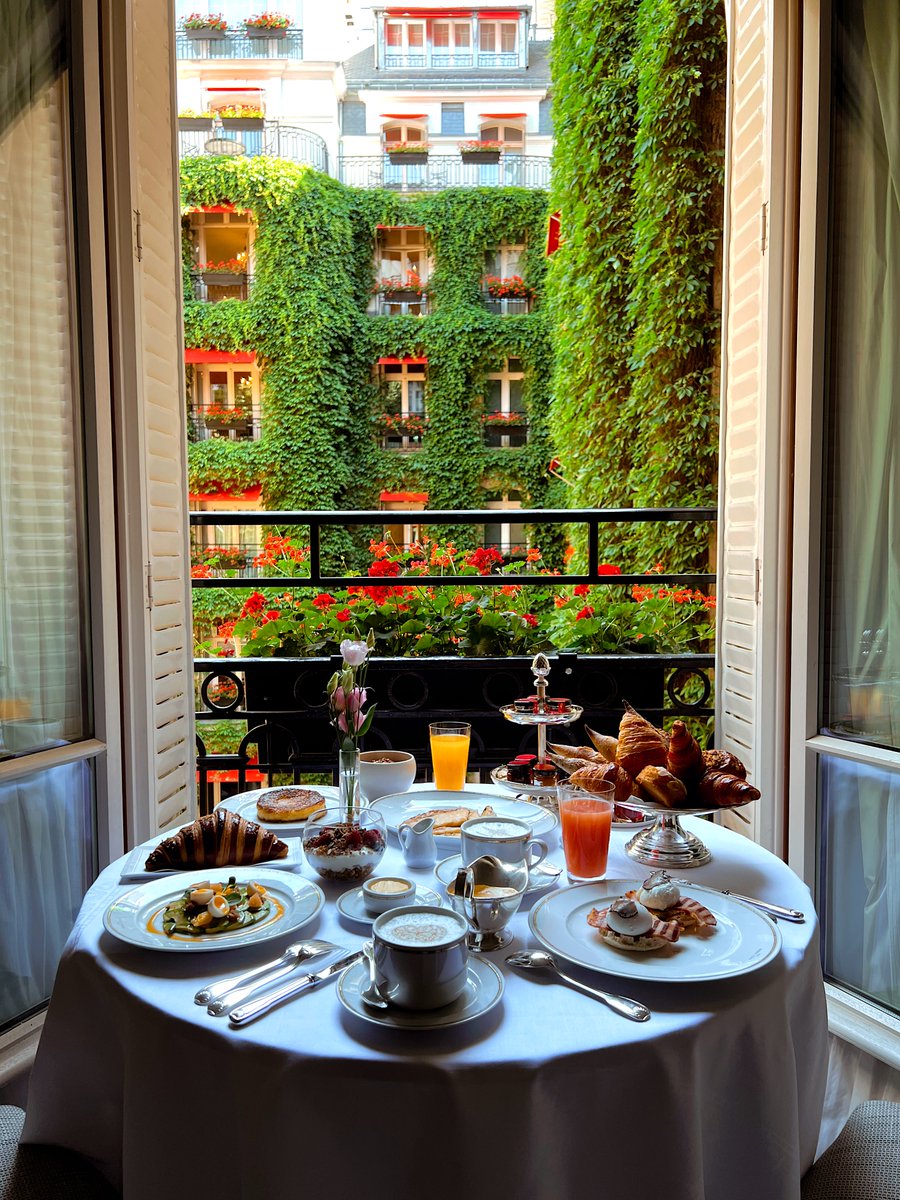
x: 451, y: 809
x: 220, y: 839
x: 283, y: 809
x: 219, y: 908
x: 655, y: 929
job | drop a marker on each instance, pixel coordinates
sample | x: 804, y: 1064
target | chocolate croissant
x: 640, y: 744
x: 726, y: 791
x: 219, y: 839
x: 684, y: 758
x: 723, y: 760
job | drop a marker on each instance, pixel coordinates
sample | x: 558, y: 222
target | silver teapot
x: 488, y: 893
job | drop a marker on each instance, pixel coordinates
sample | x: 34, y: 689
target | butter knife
x: 255, y: 1008
x: 775, y: 910
x: 285, y: 963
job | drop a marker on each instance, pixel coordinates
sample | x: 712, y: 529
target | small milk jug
x: 417, y: 843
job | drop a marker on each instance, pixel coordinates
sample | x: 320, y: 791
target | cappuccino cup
x: 420, y: 956
x: 505, y: 837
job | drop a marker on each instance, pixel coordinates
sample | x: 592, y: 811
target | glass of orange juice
x: 449, y: 754
x: 586, y: 820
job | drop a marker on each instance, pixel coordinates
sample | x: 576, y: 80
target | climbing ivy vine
x: 316, y: 347
x: 639, y: 112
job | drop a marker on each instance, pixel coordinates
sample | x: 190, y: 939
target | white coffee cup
x: 505, y: 837
x: 420, y: 956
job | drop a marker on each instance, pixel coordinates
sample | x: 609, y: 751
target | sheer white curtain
x: 862, y: 802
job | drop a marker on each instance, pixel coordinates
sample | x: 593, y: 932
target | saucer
x: 541, y: 877
x: 350, y: 904
x: 484, y: 987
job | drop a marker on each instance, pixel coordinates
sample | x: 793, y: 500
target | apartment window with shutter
x: 453, y: 120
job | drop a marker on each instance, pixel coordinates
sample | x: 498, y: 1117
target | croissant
x: 725, y: 791
x: 658, y: 784
x: 219, y: 839
x: 684, y: 758
x: 640, y: 744
x: 589, y: 777
x: 579, y: 752
x: 605, y: 744
x: 723, y: 760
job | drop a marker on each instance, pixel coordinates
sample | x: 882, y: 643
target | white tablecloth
x: 549, y: 1097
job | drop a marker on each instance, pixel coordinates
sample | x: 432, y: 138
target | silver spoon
x: 541, y: 960
x: 370, y: 994
x: 285, y: 963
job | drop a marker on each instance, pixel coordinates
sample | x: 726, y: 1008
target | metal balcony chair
x: 864, y: 1162
x: 44, y: 1172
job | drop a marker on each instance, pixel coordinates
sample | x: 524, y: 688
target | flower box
x: 223, y: 278
x: 407, y: 158
x: 195, y: 123
x: 206, y: 34
x: 229, y: 419
x: 244, y: 124
x: 264, y: 31
x: 480, y: 156
x: 405, y: 295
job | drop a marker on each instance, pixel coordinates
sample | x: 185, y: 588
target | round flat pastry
x: 289, y: 804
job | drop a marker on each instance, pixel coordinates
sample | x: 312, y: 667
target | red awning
x: 503, y: 116
x: 553, y: 233
x: 382, y: 361
x: 404, y: 497
x: 439, y: 13
x: 226, y: 497
x: 405, y: 116
x: 235, y: 89
x: 217, y: 208
x: 219, y: 356
x: 499, y: 14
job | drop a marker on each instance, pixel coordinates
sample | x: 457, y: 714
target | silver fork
x: 220, y: 993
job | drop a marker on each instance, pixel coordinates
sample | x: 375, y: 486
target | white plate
x: 245, y: 806
x: 402, y: 805
x: 136, y: 917
x: 134, y: 871
x: 742, y: 940
x: 484, y: 988
x: 351, y: 905
x: 541, y: 877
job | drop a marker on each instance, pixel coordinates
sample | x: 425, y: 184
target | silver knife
x: 235, y: 988
x: 255, y: 1008
x: 783, y: 914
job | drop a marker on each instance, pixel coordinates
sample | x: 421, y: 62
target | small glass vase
x: 348, y: 779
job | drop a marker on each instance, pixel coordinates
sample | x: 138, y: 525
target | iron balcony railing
x: 280, y: 704
x: 273, y: 140
x: 444, y: 171
x: 446, y: 60
x: 213, y: 286
x: 506, y: 306
x: 235, y: 44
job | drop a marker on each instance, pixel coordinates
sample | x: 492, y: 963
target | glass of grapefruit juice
x: 449, y: 754
x: 586, y: 820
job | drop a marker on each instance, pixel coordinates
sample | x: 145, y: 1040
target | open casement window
x: 401, y: 251
x: 404, y: 44
x: 402, y: 417
x: 845, y: 666
x: 509, y: 538
x: 451, y: 44
x: 498, y: 43
x: 403, y: 175
x: 505, y: 421
x: 222, y: 254
x: 504, y: 260
x: 224, y: 401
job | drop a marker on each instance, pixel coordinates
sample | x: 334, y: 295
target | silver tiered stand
x: 540, y: 666
x: 666, y: 844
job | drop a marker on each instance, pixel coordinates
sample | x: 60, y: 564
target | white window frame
x: 853, y: 1018
x: 510, y: 255
x: 405, y: 50
x: 506, y: 377
x: 497, y: 27
x: 200, y: 225
x: 201, y: 397
x: 404, y: 377
x: 413, y: 240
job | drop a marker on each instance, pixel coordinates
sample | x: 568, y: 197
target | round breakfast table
x: 549, y: 1096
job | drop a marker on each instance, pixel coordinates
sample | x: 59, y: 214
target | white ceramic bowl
x: 379, y: 902
x: 377, y: 778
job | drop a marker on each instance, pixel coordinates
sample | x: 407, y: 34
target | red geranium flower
x: 483, y: 559
x: 324, y: 601
x: 253, y: 604
x: 587, y: 611
x: 531, y: 619
x: 609, y: 569
x: 343, y: 615
x: 581, y: 589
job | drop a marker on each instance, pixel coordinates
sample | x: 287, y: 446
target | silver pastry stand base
x: 666, y: 844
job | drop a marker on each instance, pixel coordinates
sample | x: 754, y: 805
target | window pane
x: 440, y: 34
x: 43, y: 640
x: 415, y: 393
x: 516, y: 403
x: 463, y: 36
x: 394, y: 34
x: 494, y: 397
x: 490, y: 133
x: 416, y: 35
x: 47, y: 862
x: 859, y: 893
x: 507, y: 37
x: 861, y: 683
x: 486, y: 36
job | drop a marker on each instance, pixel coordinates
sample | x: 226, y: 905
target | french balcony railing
x: 506, y: 306
x: 224, y: 561
x: 273, y: 140
x: 446, y: 60
x: 237, y: 44
x: 218, y: 421
x: 282, y: 700
x: 444, y: 171
x: 212, y: 286
x: 390, y: 306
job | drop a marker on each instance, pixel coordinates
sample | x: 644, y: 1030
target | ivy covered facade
x: 324, y: 360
